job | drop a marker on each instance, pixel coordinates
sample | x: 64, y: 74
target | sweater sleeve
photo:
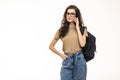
x: 85, y: 32
x: 57, y: 34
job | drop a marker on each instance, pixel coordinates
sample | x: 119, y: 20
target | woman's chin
x: 70, y: 21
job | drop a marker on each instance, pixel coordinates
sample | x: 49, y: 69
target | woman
x: 74, y: 64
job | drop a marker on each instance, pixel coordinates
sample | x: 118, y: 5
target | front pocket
x: 67, y: 61
x: 80, y: 56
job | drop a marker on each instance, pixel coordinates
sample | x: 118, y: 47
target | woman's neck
x: 72, y: 23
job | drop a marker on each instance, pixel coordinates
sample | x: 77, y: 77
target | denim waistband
x: 75, y: 53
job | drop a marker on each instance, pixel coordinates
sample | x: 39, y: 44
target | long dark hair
x: 65, y: 24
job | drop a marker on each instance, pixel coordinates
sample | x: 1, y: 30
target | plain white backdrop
x: 28, y: 26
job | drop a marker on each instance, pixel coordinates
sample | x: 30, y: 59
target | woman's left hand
x: 77, y: 23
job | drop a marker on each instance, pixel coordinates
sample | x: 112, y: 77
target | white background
x: 28, y: 26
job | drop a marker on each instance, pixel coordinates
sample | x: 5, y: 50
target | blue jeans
x: 74, y: 67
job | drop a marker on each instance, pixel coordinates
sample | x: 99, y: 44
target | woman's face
x: 70, y: 15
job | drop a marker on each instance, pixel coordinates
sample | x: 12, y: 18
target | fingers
x: 64, y: 57
x: 76, y: 20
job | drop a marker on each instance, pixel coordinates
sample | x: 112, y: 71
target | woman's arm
x: 53, y: 49
x: 82, y: 38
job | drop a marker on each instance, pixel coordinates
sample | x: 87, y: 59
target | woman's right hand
x: 63, y: 56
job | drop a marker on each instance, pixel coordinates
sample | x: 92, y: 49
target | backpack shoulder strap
x: 82, y: 29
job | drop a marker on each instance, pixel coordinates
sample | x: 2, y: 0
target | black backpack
x: 90, y: 48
